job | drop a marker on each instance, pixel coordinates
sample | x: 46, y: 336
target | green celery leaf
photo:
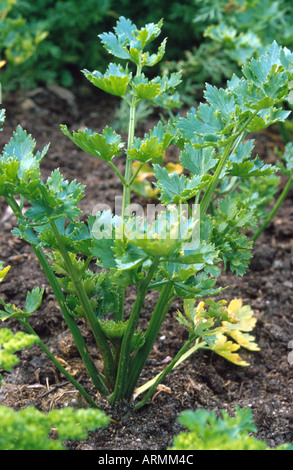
x: 33, y: 300
x: 21, y: 145
x: 59, y: 197
x: 153, y: 145
x: 128, y: 256
x: 105, y: 146
x: 115, y: 80
x: 150, y: 149
x: 198, y: 161
x: 20, y: 167
x: 175, y: 188
x: 128, y: 42
x: 251, y: 168
x: 145, y: 89
x: 221, y: 100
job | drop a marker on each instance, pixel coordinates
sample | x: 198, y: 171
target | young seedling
x: 179, y: 253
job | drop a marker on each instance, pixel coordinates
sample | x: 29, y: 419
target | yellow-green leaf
x: 3, y: 273
x: 246, y: 323
x: 227, y: 349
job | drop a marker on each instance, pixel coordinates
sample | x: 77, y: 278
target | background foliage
x: 51, y: 41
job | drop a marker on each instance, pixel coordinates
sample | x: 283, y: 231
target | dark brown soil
x: 205, y: 380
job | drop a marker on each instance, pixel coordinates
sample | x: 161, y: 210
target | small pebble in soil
x: 262, y: 259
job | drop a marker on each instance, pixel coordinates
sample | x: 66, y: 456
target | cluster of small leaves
x: 210, y: 132
x: 20, y: 175
x: 128, y: 43
x: 30, y: 429
x: 11, y: 343
x: 18, y: 40
x: 207, y: 431
x: 59, y: 34
x: 257, y: 193
x: 221, y: 328
x: 248, y: 26
x: 286, y: 164
x: 231, y: 33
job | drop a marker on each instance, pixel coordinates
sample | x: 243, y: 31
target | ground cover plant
x: 215, y: 157
x: 209, y: 432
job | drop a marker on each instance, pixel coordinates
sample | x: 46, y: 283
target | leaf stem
x: 150, y: 336
x: 229, y: 149
x: 120, y: 176
x: 124, y: 360
x: 136, y: 173
x: 98, y: 333
x: 128, y: 168
x: 73, y: 327
x: 165, y: 372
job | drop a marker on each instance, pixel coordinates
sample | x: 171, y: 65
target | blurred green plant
x: 30, y: 429
x: 230, y: 34
x: 208, y: 432
x: 73, y: 26
x: 19, y: 41
x: 71, y: 30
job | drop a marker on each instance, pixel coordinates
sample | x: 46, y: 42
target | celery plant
x: 165, y: 254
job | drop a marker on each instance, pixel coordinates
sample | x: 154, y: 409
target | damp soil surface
x: 205, y: 380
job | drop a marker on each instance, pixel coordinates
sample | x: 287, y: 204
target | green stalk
x: 165, y: 372
x: 205, y: 202
x: 150, y: 336
x: 119, y: 314
x: 273, y: 212
x: 136, y: 173
x: 146, y: 386
x: 230, y: 148
x: 73, y: 327
x: 124, y: 360
x: 59, y: 366
x: 121, y: 177
x: 128, y: 168
x: 98, y: 333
